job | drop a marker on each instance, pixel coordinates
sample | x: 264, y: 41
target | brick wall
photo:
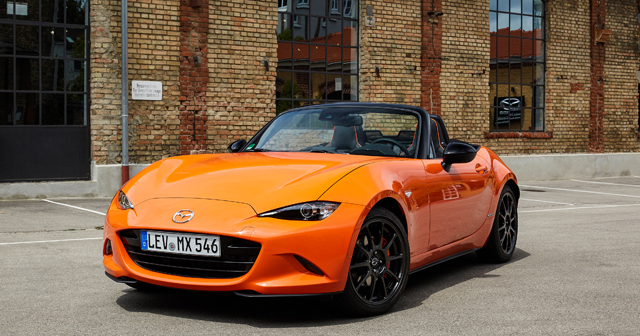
x: 568, y: 79
x: 596, y: 130
x: 465, y: 76
x: 229, y: 93
x: 154, y: 42
x: 464, y: 79
x: 104, y: 84
x: 620, y: 120
x: 431, y: 61
x: 194, y: 76
x: 394, y: 46
x: 241, y: 91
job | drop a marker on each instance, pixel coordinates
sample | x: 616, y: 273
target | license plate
x: 180, y: 243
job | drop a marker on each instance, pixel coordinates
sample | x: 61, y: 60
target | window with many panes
x: 317, y: 53
x: 43, y: 62
x: 517, y: 65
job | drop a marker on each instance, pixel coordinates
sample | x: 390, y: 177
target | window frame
x: 303, y: 4
x: 349, y: 6
x: 335, y: 6
x: 536, y: 63
x: 66, y: 59
x: 322, y: 75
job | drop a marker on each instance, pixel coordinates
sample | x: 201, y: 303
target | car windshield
x: 346, y: 130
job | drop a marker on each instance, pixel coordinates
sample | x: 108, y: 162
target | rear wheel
x: 502, y: 240
x: 379, y: 266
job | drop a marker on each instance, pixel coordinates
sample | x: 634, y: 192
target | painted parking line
x: 580, y: 208
x: 609, y: 183
x: 75, y: 207
x: 582, y: 191
x: 50, y: 241
x: 533, y: 200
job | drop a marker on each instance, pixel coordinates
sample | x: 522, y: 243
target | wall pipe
x: 125, y: 91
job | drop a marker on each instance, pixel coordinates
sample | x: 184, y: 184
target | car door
x: 459, y: 199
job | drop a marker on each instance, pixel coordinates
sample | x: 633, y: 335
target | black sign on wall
x: 509, y: 109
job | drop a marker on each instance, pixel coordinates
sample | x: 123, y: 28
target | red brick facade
x: 596, y: 131
x: 431, y: 61
x: 194, y: 76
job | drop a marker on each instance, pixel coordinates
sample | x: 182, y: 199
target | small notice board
x: 146, y: 90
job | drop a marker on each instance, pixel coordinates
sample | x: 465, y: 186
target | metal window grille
x: 517, y: 65
x: 317, y: 54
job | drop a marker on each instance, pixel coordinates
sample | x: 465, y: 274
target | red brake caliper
x: 384, y: 243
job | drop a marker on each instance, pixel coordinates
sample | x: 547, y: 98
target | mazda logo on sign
x: 510, y: 104
x: 183, y: 216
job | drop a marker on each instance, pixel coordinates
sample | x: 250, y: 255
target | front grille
x: 237, y: 258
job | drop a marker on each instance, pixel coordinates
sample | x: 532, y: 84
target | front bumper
x: 328, y: 244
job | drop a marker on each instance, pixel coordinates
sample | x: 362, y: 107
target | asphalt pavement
x: 575, y: 272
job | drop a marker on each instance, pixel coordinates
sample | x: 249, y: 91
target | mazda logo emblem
x: 183, y: 216
x: 510, y: 104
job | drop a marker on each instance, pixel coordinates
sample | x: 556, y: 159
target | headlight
x: 123, y: 201
x: 312, y: 211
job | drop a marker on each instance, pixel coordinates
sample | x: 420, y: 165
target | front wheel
x: 502, y: 240
x: 379, y: 266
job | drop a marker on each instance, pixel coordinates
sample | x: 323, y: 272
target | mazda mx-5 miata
x: 342, y: 199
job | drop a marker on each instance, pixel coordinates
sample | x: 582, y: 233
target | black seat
x: 438, y: 139
x: 373, y: 134
x: 347, y: 138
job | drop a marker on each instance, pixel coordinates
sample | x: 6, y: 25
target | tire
x: 379, y: 267
x: 501, y: 243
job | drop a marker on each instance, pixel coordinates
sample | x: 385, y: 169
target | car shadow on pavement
x: 299, y: 312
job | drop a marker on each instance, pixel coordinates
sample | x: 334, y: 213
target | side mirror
x: 236, y: 146
x: 458, y: 152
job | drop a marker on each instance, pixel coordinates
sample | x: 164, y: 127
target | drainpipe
x: 125, y: 93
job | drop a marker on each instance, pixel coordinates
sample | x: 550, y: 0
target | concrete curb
x: 570, y: 166
x: 105, y: 182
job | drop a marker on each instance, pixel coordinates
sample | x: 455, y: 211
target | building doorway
x: 44, y: 102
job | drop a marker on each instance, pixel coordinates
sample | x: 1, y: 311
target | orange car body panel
x: 264, y: 180
x: 460, y: 199
x: 228, y: 191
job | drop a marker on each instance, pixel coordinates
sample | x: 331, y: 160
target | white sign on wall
x: 146, y: 90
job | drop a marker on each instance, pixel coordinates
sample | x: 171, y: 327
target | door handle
x: 481, y: 169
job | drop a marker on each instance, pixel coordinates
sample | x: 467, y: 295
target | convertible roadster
x: 342, y: 199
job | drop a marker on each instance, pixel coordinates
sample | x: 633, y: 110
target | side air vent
x: 309, y: 265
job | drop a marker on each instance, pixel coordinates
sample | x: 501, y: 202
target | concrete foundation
x: 106, y: 179
x: 573, y: 166
x: 105, y: 182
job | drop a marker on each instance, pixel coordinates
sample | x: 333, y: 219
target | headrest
x: 347, y: 121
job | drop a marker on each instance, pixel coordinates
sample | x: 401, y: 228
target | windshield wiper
x: 258, y: 150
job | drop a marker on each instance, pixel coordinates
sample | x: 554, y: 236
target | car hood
x: 265, y: 181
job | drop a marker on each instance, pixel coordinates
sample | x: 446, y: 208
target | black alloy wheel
x: 379, y: 266
x: 507, y: 227
x: 502, y: 240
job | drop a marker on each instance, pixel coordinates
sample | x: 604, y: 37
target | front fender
x: 502, y: 173
x: 404, y: 181
x: 501, y: 176
x: 367, y: 185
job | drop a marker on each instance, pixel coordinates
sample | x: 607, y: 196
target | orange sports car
x: 343, y: 199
